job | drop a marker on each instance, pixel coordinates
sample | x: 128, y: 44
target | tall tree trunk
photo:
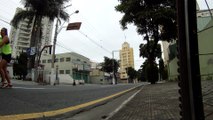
x: 151, y: 58
x: 35, y: 39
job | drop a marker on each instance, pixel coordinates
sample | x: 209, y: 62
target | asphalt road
x: 104, y: 111
x: 24, y: 99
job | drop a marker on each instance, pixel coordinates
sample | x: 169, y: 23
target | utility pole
x: 57, y: 30
x: 113, y: 67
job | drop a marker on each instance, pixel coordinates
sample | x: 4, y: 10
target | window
x: 67, y: 71
x: 49, y: 61
x: 61, y: 71
x: 78, y: 60
x: 68, y: 59
x: 61, y: 59
x: 43, y: 61
x: 56, y: 60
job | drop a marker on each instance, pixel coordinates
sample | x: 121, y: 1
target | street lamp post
x: 57, y: 30
x: 113, y: 67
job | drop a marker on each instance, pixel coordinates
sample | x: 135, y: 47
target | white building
x: 20, y: 37
x: 71, y: 66
x: 164, y: 48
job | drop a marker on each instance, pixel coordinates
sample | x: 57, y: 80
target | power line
x: 66, y: 48
x: 70, y: 50
x: 4, y: 21
x: 85, y: 51
x: 95, y: 43
x: 58, y: 44
x: 90, y: 28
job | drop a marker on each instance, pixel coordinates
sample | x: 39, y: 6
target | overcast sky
x: 100, y: 33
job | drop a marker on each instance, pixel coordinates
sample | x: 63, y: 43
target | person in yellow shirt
x: 0, y: 42
x: 0, y: 54
x: 6, y: 58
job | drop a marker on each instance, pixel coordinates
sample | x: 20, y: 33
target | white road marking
x: 122, y: 105
x: 28, y: 88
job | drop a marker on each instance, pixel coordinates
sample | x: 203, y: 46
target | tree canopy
x: 109, y: 65
x: 132, y: 73
x: 144, y: 50
x: 41, y: 8
x: 153, y: 18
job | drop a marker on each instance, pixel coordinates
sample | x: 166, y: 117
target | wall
x: 172, y: 69
x: 206, y: 51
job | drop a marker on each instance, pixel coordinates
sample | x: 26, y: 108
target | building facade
x: 21, y: 37
x: 204, y: 13
x: 97, y: 76
x: 205, y: 47
x: 75, y: 65
x: 126, y: 60
x: 204, y: 29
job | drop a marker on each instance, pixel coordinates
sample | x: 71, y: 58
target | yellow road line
x: 59, y: 111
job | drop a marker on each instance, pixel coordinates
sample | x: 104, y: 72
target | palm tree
x: 35, y: 10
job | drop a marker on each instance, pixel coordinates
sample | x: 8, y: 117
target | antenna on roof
x: 125, y: 37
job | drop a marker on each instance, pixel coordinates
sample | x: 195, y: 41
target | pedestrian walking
x: 0, y: 54
x: 6, y: 58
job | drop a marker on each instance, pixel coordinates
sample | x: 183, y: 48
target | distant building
x: 72, y: 65
x: 95, y: 65
x: 97, y: 76
x: 100, y: 77
x: 21, y: 37
x: 126, y: 60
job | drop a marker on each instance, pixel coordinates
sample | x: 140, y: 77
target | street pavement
x: 207, y: 91
x: 21, y: 82
x: 160, y: 102
x: 29, y: 100
x: 157, y: 102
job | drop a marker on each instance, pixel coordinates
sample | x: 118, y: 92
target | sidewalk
x: 21, y: 82
x: 160, y: 102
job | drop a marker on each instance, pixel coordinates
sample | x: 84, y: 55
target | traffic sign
x: 31, y: 51
x: 74, y: 26
x: 28, y: 51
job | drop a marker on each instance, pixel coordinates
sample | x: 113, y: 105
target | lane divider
x: 60, y: 111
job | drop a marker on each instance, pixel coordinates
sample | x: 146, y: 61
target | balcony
x: 26, y: 38
x: 22, y: 45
